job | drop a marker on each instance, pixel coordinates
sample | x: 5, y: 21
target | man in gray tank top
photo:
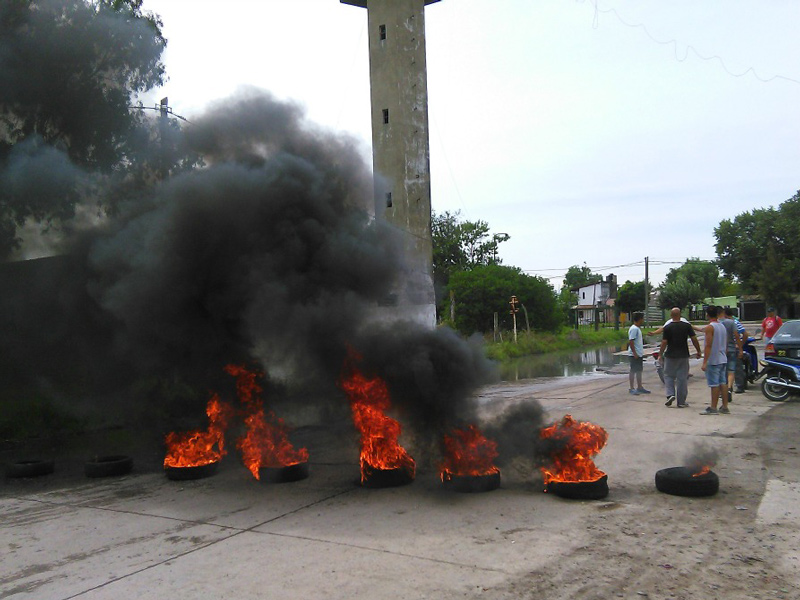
x: 715, y: 362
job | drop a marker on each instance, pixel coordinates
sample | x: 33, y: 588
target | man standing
x: 770, y: 325
x: 675, y: 350
x: 715, y: 363
x: 733, y: 350
x: 636, y: 353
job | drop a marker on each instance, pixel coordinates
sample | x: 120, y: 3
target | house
x: 595, y: 301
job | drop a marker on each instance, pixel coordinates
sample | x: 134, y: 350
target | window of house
x: 382, y: 31
x: 389, y: 200
x: 385, y: 115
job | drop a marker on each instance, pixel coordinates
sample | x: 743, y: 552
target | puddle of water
x: 565, y: 364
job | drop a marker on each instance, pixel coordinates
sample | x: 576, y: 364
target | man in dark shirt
x: 675, y: 350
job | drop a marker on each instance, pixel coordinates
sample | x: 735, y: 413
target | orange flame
x: 369, y: 398
x: 572, y: 462
x: 703, y: 470
x: 198, y: 448
x: 266, y: 443
x: 467, y: 453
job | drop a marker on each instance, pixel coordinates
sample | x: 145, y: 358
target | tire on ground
x: 107, y: 466
x: 30, y: 468
x: 680, y: 481
x: 580, y: 490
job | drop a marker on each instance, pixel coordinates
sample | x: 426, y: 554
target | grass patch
x: 542, y: 342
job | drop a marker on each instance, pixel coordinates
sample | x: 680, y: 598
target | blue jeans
x: 717, y: 375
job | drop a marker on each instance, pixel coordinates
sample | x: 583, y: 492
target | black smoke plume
x: 268, y: 255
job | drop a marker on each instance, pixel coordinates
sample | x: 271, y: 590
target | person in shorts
x: 715, y: 363
x: 636, y: 354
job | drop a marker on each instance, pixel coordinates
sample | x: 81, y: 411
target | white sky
x: 590, y: 131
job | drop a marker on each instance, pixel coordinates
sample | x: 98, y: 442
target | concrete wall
x: 400, y: 147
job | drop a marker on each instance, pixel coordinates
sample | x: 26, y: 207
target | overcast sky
x: 590, y: 132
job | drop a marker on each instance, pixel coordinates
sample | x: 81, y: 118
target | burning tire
x: 473, y: 483
x: 285, y: 474
x: 682, y: 481
x: 30, y: 468
x: 383, y: 478
x: 580, y: 490
x: 188, y: 473
x: 108, y: 466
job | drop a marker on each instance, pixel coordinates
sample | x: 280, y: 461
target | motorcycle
x: 781, y: 379
x: 747, y: 368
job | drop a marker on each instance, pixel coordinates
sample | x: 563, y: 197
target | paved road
x: 228, y: 536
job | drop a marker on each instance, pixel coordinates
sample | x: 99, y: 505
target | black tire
x: 680, y: 481
x: 469, y: 484
x: 384, y: 478
x: 107, y: 466
x: 772, y: 392
x: 580, y: 490
x: 286, y: 474
x: 30, y: 468
x: 189, y: 473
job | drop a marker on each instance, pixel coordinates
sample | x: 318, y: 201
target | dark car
x: 785, y: 345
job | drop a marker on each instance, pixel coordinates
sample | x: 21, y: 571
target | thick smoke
x: 517, y: 433
x: 267, y: 256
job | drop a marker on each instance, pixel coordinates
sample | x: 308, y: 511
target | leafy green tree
x: 681, y: 292
x: 487, y: 289
x: 459, y: 245
x: 69, y: 72
x: 630, y: 296
x: 702, y: 273
x: 743, y: 247
x: 577, y: 276
x: 776, y: 279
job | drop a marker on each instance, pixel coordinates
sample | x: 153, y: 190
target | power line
x: 674, y: 43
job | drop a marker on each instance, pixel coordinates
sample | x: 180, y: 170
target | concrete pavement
x: 229, y: 536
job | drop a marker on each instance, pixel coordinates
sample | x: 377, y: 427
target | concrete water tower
x: 400, y: 149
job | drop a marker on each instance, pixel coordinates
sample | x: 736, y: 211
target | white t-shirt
x: 635, y: 334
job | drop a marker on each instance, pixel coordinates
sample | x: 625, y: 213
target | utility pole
x: 514, y: 310
x: 646, y: 290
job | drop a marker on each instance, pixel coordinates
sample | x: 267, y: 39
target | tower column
x: 400, y: 143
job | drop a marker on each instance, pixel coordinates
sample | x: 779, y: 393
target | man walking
x: 675, y: 350
x: 715, y: 363
x: 636, y: 354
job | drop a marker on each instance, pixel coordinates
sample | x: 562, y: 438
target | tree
x: 776, y: 279
x: 701, y: 273
x: 577, y: 276
x: 743, y: 247
x: 486, y: 289
x: 69, y: 72
x: 460, y: 245
x: 630, y: 297
x: 681, y: 292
